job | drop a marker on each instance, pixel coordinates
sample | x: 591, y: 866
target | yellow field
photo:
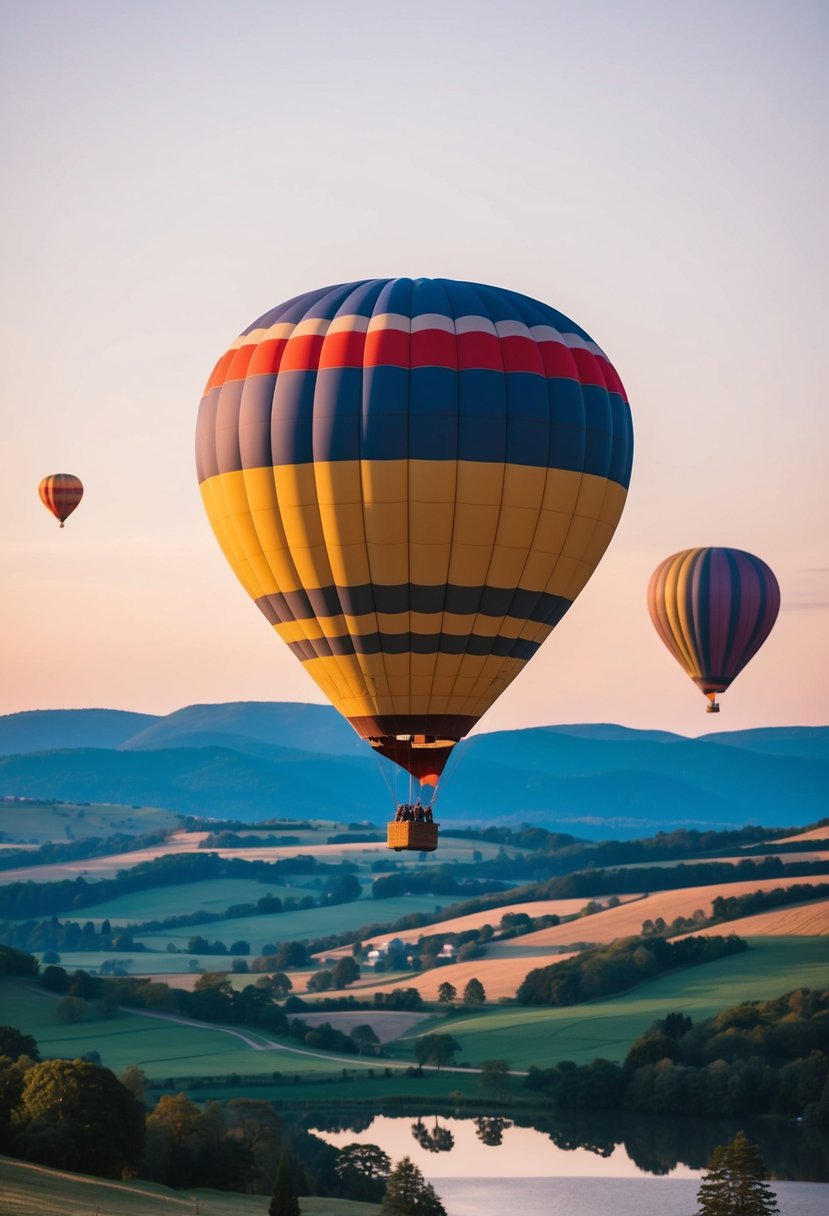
x: 812, y: 834
x: 499, y: 976
x: 626, y: 920
x: 803, y: 920
x: 474, y: 920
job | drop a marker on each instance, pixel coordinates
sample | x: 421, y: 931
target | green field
x: 521, y: 1036
x: 41, y: 822
x: 32, y: 1190
x: 606, y: 1028
x: 214, y: 896
x: 300, y: 925
x: 162, y: 1048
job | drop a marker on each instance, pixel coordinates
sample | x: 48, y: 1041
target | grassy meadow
x: 295, y: 926
x: 525, y: 1036
x: 32, y: 822
x: 33, y: 1190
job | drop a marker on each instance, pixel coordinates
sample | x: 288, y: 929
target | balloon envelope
x: 713, y: 609
x: 413, y: 479
x: 60, y: 493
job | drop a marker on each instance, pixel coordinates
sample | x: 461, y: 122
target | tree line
x: 615, y: 968
x: 28, y: 899
x: 757, y: 1058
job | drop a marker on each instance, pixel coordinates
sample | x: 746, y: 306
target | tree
x: 71, y: 1009
x: 136, y: 1081
x: 364, y: 1170
x: 320, y: 981
x: 493, y: 1076
x: 437, y: 1049
x: 735, y: 1183
x: 474, y: 993
x: 409, y: 1194
x: 284, y: 1201
x: 14, y: 1044
x: 447, y: 993
x: 90, y: 1107
x: 345, y: 972
x: 366, y: 1039
x: 341, y: 890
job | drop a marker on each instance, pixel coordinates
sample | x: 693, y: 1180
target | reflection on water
x: 438, y: 1140
x: 600, y: 1196
x: 580, y: 1144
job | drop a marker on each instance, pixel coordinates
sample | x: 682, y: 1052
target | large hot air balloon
x: 713, y: 609
x: 60, y: 493
x: 413, y: 479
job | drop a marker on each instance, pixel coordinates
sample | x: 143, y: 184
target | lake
x: 586, y: 1165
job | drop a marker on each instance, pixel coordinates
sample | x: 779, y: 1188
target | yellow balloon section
x: 413, y: 479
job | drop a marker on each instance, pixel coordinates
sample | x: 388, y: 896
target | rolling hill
x: 257, y: 760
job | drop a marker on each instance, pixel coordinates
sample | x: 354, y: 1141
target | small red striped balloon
x: 713, y: 609
x: 60, y: 493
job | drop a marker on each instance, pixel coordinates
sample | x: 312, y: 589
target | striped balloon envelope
x: 713, y: 609
x: 60, y: 493
x: 413, y: 479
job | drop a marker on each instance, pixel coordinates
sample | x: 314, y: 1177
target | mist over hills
x: 255, y: 760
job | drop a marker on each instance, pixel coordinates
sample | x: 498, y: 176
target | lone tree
x: 366, y: 1039
x: 345, y: 972
x: 494, y: 1077
x: 474, y: 993
x: 437, y: 1049
x: 735, y: 1184
x: 284, y: 1201
x: 409, y: 1194
x: 447, y: 993
x: 364, y: 1170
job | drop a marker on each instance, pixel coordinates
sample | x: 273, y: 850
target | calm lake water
x: 587, y: 1167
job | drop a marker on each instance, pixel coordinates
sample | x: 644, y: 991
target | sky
x: 172, y: 170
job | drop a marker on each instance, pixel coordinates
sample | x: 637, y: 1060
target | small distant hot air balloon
x: 713, y: 609
x: 60, y: 493
x: 413, y: 479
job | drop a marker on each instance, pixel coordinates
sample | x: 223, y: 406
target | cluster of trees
x: 29, y: 899
x: 549, y: 854
x: 49, y: 936
x: 619, y: 966
x: 24, y: 899
x: 345, y: 972
x: 474, y: 994
x: 77, y: 1115
x: 759, y: 1058
x: 213, y: 999
x: 232, y: 840
x: 192, y: 823
x: 77, y: 850
x: 440, y: 880
x: 669, y: 878
x: 732, y: 907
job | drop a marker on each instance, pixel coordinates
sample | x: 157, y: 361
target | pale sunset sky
x: 656, y: 171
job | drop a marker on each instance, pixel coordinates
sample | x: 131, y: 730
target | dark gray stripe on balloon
x: 414, y: 643
x: 520, y: 604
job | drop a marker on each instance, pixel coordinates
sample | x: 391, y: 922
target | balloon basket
x: 713, y: 708
x: 414, y: 837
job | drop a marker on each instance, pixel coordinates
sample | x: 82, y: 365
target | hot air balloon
x: 60, y: 493
x: 413, y: 480
x: 713, y: 609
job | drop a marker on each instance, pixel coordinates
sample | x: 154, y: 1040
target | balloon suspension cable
x: 390, y: 786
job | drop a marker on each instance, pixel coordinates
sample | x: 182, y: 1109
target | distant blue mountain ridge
x: 257, y: 760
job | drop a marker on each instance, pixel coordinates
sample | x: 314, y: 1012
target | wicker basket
x: 416, y: 837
